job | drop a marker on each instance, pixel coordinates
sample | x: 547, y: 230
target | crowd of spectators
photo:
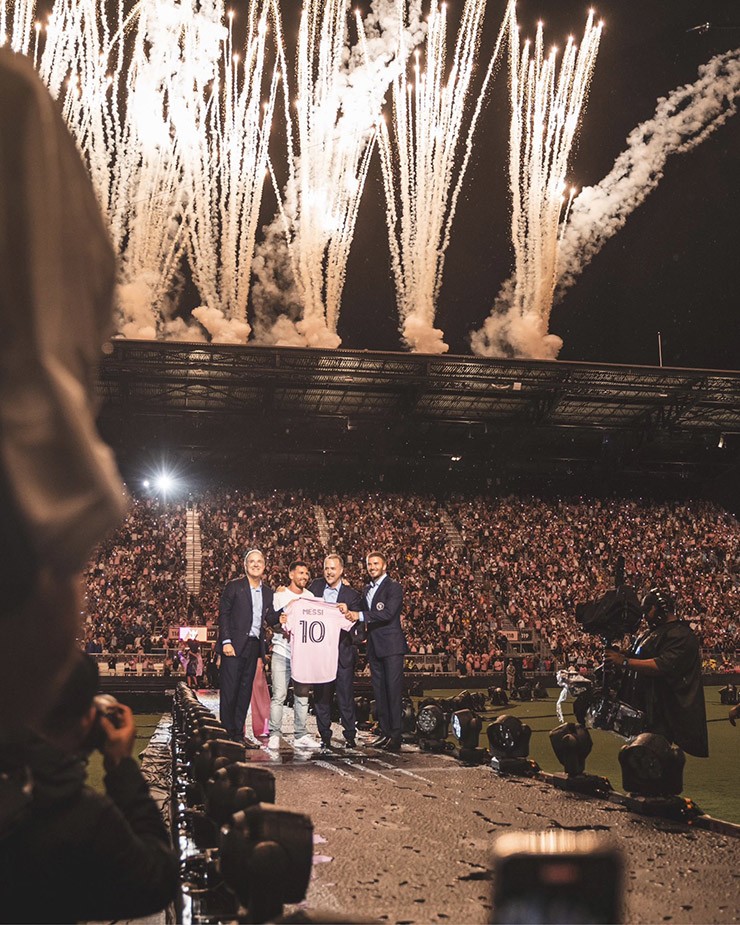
x: 446, y: 611
x: 282, y: 524
x: 135, y: 583
x: 473, y: 569
x: 540, y: 558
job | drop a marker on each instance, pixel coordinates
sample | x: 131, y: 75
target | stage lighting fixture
x: 651, y: 766
x: 261, y: 780
x: 556, y: 876
x: 223, y: 799
x: 215, y: 754
x: 362, y: 710
x: 203, y: 828
x: 498, y: 697
x: 466, y: 727
x: 462, y: 701
x: 432, y: 727
x: 572, y: 745
x: 408, y: 717
x: 266, y: 859
x: 508, y: 741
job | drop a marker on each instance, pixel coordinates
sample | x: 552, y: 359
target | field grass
x: 711, y: 782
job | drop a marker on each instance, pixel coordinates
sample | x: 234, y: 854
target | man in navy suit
x: 245, y: 604
x: 386, y: 647
x: 333, y: 590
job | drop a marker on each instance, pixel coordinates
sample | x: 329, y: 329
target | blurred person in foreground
x: 68, y: 853
x: 59, y: 488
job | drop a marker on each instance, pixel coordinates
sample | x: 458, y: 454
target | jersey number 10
x: 315, y: 631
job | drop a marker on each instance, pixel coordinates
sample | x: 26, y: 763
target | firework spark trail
x: 152, y: 171
x: 546, y: 106
x: 115, y: 102
x: 423, y: 166
x: 382, y: 50
x: 682, y: 120
x: 16, y: 27
x: 223, y: 129
x: 81, y: 65
x: 330, y: 136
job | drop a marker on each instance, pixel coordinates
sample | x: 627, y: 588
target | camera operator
x: 68, y: 853
x: 665, y: 668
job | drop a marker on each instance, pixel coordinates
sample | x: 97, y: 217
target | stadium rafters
x: 334, y: 405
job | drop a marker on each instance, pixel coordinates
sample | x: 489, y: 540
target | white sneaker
x: 306, y: 741
x: 273, y: 743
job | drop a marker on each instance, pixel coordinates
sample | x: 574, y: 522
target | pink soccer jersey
x: 314, y: 639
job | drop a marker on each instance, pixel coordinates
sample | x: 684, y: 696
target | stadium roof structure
x: 272, y: 408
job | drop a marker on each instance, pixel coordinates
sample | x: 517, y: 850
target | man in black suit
x: 386, y: 647
x: 245, y: 604
x: 334, y: 591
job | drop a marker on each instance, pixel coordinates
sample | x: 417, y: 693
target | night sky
x: 673, y: 268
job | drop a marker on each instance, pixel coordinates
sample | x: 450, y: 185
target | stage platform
x: 407, y: 838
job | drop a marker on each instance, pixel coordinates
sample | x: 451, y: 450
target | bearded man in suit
x: 386, y: 647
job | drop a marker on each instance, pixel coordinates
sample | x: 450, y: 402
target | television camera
x: 614, y: 615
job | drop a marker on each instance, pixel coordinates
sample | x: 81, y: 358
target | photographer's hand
x: 119, y: 740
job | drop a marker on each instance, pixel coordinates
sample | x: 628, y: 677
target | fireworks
x: 330, y: 132
x: 546, y: 108
x: 223, y: 128
x: 174, y: 122
x: 424, y: 161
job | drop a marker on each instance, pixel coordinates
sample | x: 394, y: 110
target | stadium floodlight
x: 146, y: 483
x: 164, y: 483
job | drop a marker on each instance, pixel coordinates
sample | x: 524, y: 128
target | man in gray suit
x: 245, y: 605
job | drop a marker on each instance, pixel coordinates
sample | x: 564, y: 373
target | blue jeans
x: 280, y: 676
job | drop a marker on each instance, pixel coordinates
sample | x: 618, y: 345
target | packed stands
x: 477, y: 571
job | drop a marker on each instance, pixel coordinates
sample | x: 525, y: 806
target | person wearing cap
x: 246, y: 604
x: 665, y: 664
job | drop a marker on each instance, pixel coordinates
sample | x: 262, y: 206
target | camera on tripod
x: 614, y: 615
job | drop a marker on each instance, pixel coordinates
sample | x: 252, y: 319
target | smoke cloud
x: 682, y: 120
